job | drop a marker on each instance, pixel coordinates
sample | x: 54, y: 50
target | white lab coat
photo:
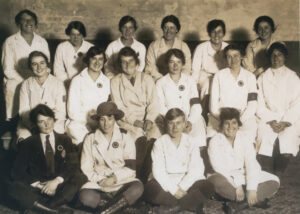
x: 100, y: 159
x: 237, y: 163
x: 228, y: 91
x: 179, y: 95
x: 52, y: 93
x: 67, y: 61
x: 112, y: 51
x: 279, y: 100
x: 176, y: 167
x: 84, y: 97
x: 207, y: 62
x: 15, y: 52
x: 155, y: 60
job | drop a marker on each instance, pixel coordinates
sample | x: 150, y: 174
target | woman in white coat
x: 87, y: 90
x: 41, y: 88
x: 233, y: 157
x: 108, y: 160
x: 178, y: 90
x: 69, y: 54
x: 233, y: 87
x: 178, y: 170
x: 127, y: 27
x: 278, y: 112
x: 15, y: 52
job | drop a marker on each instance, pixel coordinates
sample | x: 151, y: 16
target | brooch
x: 181, y: 88
x: 99, y: 85
x: 60, y: 148
x: 95, y: 142
x: 115, y: 145
x: 80, y: 54
x: 241, y: 83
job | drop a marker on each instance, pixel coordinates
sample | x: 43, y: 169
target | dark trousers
x: 196, y: 195
x: 277, y: 163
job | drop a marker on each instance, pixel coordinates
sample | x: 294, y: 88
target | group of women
x: 254, y: 102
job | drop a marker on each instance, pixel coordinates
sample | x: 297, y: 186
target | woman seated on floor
x: 279, y: 113
x: 108, y: 160
x: 41, y: 88
x: 233, y: 157
x: 178, y: 170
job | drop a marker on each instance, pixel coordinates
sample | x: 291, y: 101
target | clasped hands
x: 278, y: 127
x: 109, y: 181
x: 180, y: 193
x: 49, y: 187
x: 251, y: 195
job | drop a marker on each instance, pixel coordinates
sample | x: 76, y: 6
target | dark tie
x: 49, y: 156
x: 132, y: 80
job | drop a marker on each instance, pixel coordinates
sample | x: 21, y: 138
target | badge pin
x: 241, y: 83
x: 181, y: 88
x: 115, y: 145
x: 99, y: 85
x: 60, y: 148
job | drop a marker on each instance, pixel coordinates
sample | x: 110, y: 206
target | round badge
x: 80, y: 54
x: 241, y: 83
x: 99, y: 85
x: 115, y: 145
x: 60, y: 148
x: 181, y: 88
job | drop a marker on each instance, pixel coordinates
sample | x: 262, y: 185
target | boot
x: 115, y: 207
x: 47, y: 210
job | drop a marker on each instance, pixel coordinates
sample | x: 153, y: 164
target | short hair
x: 177, y: 53
x: 40, y: 109
x: 236, y: 47
x: 171, y: 18
x: 35, y: 54
x: 229, y: 114
x: 173, y: 113
x: 213, y: 24
x: 18, y: 17
x: 278, y: 46
x: 93, y: 51
x: 125, y: 19
x: 76, y: 25
x: 128, y: 51
x: 267, y: 19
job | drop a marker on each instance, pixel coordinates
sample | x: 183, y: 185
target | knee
x: 136, y: 190
x: 89, y: 198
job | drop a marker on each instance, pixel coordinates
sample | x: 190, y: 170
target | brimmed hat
x: 108, y: 108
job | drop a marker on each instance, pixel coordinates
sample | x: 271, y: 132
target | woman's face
x: 233, y: 58
x: 128, y: 65
x: 27, y: 23
x: 170, y: 31
x: 39, y: 66
x: 175, y: 65
x: 230, y: 128
x: 96, y: 63
x: 264, y: 30
x: 175, y: 127
x: 107, y: 123
x: 75, y: 37
x: 128, y: 30
x: 216, y: 35
x: 277, y: 59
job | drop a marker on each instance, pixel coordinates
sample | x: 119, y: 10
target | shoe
x: 47, y: 210
x: 234, y: 207
x: 115, y: 207
x: 263, y: 204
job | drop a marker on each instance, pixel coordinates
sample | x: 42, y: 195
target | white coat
x: 52, y: 93
x: 112, y: 50
x: 67, y: 61
x: 207, y: 62
x: 239, y: 93
x: 84, y: 97
x: 237, y: 163
x: 279, y: 100
x: 15, y: 52
x: 100, y: 159
x: 155, y: 60
x: 176, y: 167
x: 180, y: 95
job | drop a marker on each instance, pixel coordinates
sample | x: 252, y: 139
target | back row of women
x: 146, y: 86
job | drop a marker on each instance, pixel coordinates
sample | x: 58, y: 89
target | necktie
x: 49, y: 156
x: 132, y: 80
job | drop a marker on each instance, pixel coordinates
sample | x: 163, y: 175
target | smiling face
x: 39, y: 66
x: 175, y: 65
x: 230, y: 128
x: 107, y: 123
x: 170, y: 31
x: 233, y: 58
x: 45, y: 124
x: 128, y: 30
x: 264, y: 30
x: 27, y: 23
x: 129, y: 66
x: 175, y: 127
x: 216, y: 35
x: 96, y: 63
x: 76, y: 37
x: 277, y: 59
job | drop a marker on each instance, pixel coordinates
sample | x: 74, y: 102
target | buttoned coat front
x: 101, y: 159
